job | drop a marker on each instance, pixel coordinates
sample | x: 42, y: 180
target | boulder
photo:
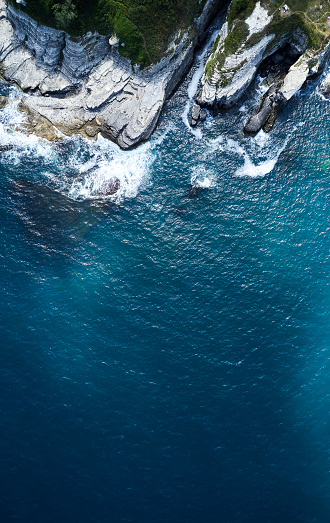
x: 5, y: 148
x: 3, y: 101
x: 325, y: 88
x: 110, y: 187
x: 195, y: 114
x: 265, y: 115
x: 203, y: 115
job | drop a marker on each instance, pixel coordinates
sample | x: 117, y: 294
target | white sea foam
x: 260, y: 146
x: 131, y: 168
x: 202, y: 178
x: 261, y: 86
x: 260, y: 169
x: 193, y: 86
x: 21, y: 143
x: 76, y: 166
x: 261, y: 139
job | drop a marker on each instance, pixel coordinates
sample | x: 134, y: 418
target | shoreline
x: 82, y: 85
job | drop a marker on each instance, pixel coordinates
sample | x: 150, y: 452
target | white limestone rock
x: 296, y: 77
x: 99, y: 90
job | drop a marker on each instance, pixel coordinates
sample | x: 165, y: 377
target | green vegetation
x: 145, y: 27
x: 239, y: 33
x: 240, y: 9
x: 311, y: 16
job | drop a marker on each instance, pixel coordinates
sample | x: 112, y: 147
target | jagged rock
x: 224, y: 82
x: 3, y: 102
x: 195, y: 114
x: 265, y: 115
x: 110, y: 187
x: 36, y: 124
x: 51, y: 47
x: 85, y: 85
x: 296, y: 77
x: 203, y: 115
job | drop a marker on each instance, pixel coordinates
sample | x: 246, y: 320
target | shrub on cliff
x: 144, y: 27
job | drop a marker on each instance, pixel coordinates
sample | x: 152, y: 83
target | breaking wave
x: 262, y: 157
x: 194, y: 83
x: 76, y: 166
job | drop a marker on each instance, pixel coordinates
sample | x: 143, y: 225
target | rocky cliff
x: 291, y: 41
x: 82, y: 84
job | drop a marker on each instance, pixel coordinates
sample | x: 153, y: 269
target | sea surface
x: 165, y: 352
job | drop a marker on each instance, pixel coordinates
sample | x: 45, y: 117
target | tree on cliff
x: 64, y: 13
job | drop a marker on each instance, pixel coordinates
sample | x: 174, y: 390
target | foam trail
x: 193, y: 85
x: 201, y: 178
x: 249, y: 169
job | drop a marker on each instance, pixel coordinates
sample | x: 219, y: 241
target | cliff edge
x: 83, y: 85
x: 286, y: 42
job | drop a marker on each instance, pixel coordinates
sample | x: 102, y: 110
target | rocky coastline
x: 83, y: 85
x: 290, y: 57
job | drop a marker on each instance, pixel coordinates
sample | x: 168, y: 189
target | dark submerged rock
x: 5, y: 148
x: 193, y: 191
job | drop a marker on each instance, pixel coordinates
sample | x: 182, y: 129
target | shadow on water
x: 193, y: 192
x: 53, y: 223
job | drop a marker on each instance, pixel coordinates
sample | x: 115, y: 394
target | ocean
x: 165, y: 352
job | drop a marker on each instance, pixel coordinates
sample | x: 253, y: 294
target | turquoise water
x: 165, y: 355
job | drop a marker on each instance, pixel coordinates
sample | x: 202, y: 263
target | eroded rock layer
x: 83, y: 85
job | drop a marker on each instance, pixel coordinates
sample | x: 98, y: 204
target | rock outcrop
x: 110, y: 187
x: 82, y: 85
x: 240, y: 49
x: 278, y: 94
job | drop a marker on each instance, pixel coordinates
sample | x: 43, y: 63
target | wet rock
x: 3, y: 101
x: 203, y: 115
x: 325, y: 88
x: 265, y: 115
x: 279, y: 93
x: 195, y: 114
x: 5, y: 148
x: 110, y: 187
x: 36, y: 124
x: 258, y: 118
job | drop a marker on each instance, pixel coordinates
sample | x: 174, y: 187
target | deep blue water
x: 166, y: 358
